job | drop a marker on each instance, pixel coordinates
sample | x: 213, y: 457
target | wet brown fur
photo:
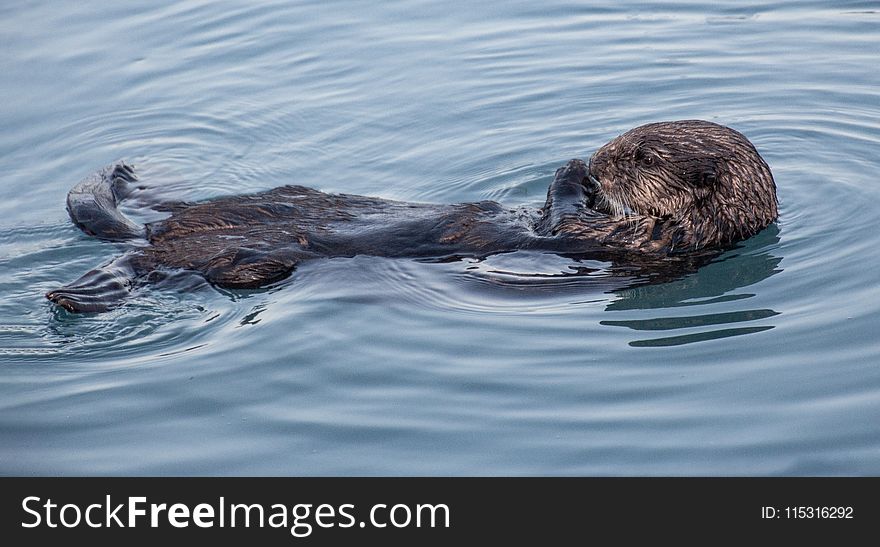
x: 653, y: 193
x: 698, y: 183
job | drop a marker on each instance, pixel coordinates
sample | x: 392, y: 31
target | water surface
x: 764, y: 362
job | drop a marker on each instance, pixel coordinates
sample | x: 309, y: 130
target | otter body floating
x: 651, y: 196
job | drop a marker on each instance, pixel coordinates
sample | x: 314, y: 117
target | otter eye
x: 645, y: 158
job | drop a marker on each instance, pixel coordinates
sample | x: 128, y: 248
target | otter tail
x: 92, y: 204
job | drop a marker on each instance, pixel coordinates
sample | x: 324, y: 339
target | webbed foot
x: 97, y: 291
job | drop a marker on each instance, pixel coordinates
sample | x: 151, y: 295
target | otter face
x: 709, y: 180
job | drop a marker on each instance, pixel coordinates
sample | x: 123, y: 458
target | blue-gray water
x: 765, y: 362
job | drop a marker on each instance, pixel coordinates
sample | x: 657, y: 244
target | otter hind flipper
x: 97, y: 290
x: 93, y: 204
x: 246, y: 268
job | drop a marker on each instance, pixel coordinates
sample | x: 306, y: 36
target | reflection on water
x: 669, y: 323
x: 697, y: 337
x: 714, y: 283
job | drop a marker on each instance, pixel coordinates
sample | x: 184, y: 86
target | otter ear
x: 707, y: 178
x: 706, y: 173
x: 702, y: 173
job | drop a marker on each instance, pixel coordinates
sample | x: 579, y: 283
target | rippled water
x: 763, y: 362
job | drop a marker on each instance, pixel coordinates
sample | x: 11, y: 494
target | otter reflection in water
x: 656, y: 196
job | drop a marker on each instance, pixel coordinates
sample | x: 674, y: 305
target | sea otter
x: 654, y: 194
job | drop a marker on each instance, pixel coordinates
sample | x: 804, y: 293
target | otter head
x: 708, y: 181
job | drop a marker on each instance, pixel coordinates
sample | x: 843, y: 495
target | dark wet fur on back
x: 704, y: 187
